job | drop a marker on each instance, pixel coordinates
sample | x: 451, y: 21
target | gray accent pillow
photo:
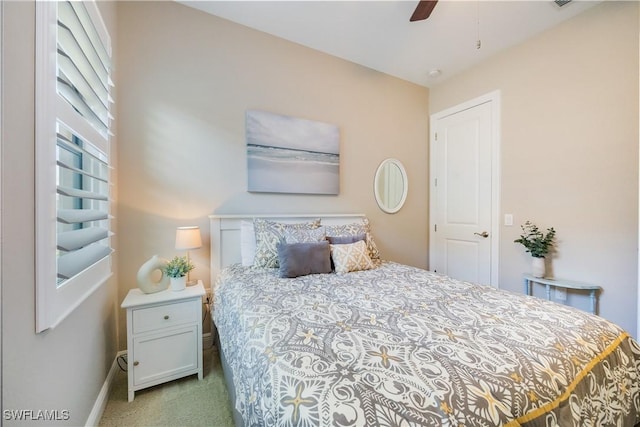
x: 345, y: 240
x: 300, y: 259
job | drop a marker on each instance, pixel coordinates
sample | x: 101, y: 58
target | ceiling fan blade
x: 423, y: 10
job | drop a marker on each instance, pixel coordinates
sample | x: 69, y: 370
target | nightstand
x: 164, y: 336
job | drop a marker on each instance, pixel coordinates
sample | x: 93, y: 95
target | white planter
x: 178, y: 283
x: 537, y: 267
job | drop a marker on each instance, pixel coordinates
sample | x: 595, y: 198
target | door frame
x: 494, y: 98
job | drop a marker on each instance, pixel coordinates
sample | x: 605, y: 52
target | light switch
x: 508, y: 220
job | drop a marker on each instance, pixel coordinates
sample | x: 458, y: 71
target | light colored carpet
x: 183, y: 402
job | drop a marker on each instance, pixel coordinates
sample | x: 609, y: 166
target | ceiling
x: 378, y: 34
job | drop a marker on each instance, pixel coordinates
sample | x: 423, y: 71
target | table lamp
x: 188, y: 238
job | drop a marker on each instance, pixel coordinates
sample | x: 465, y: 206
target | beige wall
x: 187, y: 79
x: 63, y: 368
x: 569, y: 149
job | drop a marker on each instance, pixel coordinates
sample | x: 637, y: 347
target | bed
x: 394, y: 345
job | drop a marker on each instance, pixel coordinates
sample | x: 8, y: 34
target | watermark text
x: 36, y: 415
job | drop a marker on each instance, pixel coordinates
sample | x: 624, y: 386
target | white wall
x: 569, y: 149
x: 63, y: 368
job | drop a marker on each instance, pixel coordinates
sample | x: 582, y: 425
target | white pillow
x: 247, y: 243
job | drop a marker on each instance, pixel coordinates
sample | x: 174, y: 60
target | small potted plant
x: 177, y: 270
x: 538, y: 244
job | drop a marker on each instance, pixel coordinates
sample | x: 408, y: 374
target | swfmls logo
x: 36, y: 415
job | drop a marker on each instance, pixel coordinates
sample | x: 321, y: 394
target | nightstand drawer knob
x: 166, y: 317
x: 136, y: 363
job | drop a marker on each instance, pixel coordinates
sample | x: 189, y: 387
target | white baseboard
x: 103, y: 396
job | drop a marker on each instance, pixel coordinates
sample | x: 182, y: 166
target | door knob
x: 483, y: 234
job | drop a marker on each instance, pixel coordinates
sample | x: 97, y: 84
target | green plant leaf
x: 535, y: 241
x: 178, y: 267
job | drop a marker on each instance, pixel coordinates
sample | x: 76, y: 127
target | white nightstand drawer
x: 162, y: 316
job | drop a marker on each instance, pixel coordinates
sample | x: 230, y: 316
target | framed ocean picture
x: 291, y: 155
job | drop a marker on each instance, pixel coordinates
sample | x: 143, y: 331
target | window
x: 73, y: 100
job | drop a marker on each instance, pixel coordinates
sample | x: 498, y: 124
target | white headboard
x: 225, y: 234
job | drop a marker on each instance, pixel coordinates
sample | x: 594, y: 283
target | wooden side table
x: 565, y: 284
x: 164, y: 336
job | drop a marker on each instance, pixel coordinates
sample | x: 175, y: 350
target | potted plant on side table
x: 177, y: 270
x: 538, y: 244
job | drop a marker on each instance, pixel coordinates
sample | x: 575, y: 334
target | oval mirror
x: 390, y: 185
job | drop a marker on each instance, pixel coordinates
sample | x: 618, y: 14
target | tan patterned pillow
x: 354, y: 229
x: 269, y: 234
x: 351, y: 257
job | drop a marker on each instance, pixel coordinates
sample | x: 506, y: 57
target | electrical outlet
x: 508, y: 220
x: 561, y: 294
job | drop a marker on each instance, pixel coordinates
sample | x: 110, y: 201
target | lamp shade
x: 188, y: 238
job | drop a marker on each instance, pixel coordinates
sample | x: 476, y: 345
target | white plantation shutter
x: 83, y: 66
x: 82, y: 210
x: 72, y: 153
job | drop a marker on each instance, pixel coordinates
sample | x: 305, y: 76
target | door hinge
x: 436, y: 182
x: 435, y: 227
x: 436, y: 136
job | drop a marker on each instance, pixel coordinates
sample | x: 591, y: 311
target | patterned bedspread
x: 401, y: 346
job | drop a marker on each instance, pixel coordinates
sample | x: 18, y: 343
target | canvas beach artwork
x: 291, y: 155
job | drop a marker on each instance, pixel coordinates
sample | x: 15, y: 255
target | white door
x: 463, y: 242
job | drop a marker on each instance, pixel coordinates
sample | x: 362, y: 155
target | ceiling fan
x: 423, y: 10
x: 425, y: 7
